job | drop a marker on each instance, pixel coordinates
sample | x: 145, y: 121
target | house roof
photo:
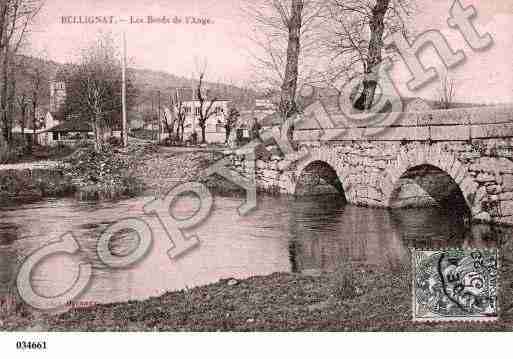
x: 72, y: 126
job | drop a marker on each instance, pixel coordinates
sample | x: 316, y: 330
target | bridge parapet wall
x: 437, y: 125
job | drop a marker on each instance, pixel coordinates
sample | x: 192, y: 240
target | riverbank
x: 84, y: 173
x: 26, y: 182
x: 166, y: 167
x: 362, y: 299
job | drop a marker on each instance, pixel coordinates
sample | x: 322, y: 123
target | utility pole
x: 159, y: 122
x: 152, y: 118
x: 123, y: 94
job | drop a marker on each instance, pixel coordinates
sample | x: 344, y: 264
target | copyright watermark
x: 383, y: 113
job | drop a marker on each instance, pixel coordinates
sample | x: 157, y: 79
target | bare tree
x: 354, y: 35
x: 206, y: 106
x: 179, y: 112
x: 94, y: 87
x: 447, y: 91
x: 15, y: 19
x: 231, y: 121
x: 23, y: 104
x: 284, y: 38
x: 170, y: 120
x: 38, y: 81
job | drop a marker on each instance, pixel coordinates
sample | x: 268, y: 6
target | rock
x: 311, y: 272
x: 508, y: 196
x: 483, y: 217
x: 507, y: 208
x: 318, y: 306
x: 485, y: 177
x: 493, y: 189
x: 232, y: 282
x: 508, y: 182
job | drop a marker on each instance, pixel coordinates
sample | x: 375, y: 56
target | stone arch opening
x: 318, y: 178
x: 427, y: 186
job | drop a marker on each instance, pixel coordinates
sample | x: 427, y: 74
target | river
x: 308, y: 235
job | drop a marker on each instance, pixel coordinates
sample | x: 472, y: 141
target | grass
x: 35, y: 183
x: 363, y: 299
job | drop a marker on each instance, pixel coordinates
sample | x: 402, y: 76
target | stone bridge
x: 424, y: 157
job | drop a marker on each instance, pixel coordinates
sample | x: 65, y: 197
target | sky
x: 486, y: 77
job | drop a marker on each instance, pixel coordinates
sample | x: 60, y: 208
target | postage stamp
x: 455, y: 284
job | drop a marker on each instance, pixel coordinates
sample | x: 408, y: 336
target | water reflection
x: 316, y: 233
x: 326, y: 234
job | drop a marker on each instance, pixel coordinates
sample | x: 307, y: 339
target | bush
x: 13, y: 152
x: 144, y: 134
x: 115, y: 141
x: 102, y: 174
x: 344, y: 283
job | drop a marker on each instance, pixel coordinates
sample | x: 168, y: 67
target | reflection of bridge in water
x: 326, y: 233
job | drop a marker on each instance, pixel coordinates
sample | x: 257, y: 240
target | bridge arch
x: 434, y: 156
x: 332, y: 170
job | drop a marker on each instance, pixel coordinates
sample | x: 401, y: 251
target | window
x: 218, y: 110
x: 198, y: 111
x: 187, y: 109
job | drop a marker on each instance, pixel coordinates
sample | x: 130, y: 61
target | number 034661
x: 28, y: 345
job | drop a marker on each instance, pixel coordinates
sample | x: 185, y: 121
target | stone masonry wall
x: 474, y: 147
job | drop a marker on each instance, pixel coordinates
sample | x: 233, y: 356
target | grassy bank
x: 365, y: 299
x: 87, y: 174
x: 33, y: 184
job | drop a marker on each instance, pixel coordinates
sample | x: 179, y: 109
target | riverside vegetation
x: 90, y: 175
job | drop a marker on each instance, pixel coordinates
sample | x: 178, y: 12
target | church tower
x: 57, y: 94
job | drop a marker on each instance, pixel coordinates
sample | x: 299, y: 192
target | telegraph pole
x: 152, y: 118
x: 123, y: 94
x: 158, y: 118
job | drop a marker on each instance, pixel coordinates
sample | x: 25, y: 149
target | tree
x: 93, y: 87
x: 23, y: 103
x: 180, y: 114
x: 254, y: 132
x: 170, y: 122
x: 356, y: 29
x: 283, y: 36
x: 447, y: 91
x: 231, y: 121
x: 206, y: 106
x: 15, y: 19
x: 289, y: 86
x: 38, y: 81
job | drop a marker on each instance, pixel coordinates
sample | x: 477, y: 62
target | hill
x: 148, y: 83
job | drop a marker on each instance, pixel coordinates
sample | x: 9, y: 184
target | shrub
x: 143, y: 134
x: 344, y: 283
x: 114, y: 141
x: 102, y: 174
x: 13, y: 152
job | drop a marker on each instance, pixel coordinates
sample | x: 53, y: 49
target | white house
x: 215, y: 125
x: 43, y: 123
